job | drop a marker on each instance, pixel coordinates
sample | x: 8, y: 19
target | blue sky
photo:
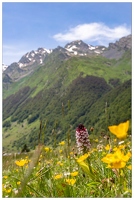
x: 28, y: 26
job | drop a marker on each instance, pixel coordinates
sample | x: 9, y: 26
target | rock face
x: 125, y: 42
x: 117, y: 49
x: 33, y: 57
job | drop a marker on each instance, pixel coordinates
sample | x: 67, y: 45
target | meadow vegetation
x: 57, y: 170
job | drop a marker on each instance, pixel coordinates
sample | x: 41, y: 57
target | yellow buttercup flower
x: 83, y: 157
x: 8, y: 190
x: 117, y: 159
x: 62, y: 143
x: 129, y: 167
x: 118, y: 165
x: 127, y: 157
x: 18, y: 183
x: 74, y: 173
x: 120, y: 130
x: 47, y: 149
x: 70, y: 181
x: 59, y: 163
x: 5, y: 177
x: 58, y: 176
x: 115, y: 149
x: 107, y: 147
x: 21, y: 163
x: 122, y: 146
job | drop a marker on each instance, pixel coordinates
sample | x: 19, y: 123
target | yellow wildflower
x: 8, y: 190
x: 127, y: 156
x: 47, y: 149
x: 60, y: 151
x: 83, y: 157
x: 115, y: 149
x: 120, y: 130
x: 21, y: 163
x: 122, y: 146
x: 62, y: 143
x: 128, y: 143
x: 107, y: 147
x: 118, y: 165
x: 117, y: 159
x: 70, y: 181
x: 58, y: 176
x: 119, y: 147
x: 96, y: 140
x: 5, y: 177
x: 18, y: 183
x: 3, y: 187
x: 129, y: 167
x: 59, y: 163
x: 71, y: 153
x: 74, y: 173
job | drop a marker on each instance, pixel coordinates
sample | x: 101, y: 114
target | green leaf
x: 93, y: 184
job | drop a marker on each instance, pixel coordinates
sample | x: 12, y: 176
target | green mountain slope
x: 57, y: 66
x: 62, y: 93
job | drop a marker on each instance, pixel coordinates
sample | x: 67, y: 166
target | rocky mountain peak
x: 33, y: 56
x: 79, y: 47
x: 117, y: 49
x: 32, y: 59
x: 124, y: 43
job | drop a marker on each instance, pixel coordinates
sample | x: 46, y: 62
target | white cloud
x: 97, y: 33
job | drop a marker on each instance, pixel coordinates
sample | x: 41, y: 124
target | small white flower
x: 66, y: 174
x: 15, y: 191
x: 121, y: 142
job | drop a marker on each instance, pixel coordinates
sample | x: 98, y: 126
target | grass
x: 55, y: 171
x: 15, y: 132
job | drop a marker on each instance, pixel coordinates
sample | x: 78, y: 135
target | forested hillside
x: 63, y: 92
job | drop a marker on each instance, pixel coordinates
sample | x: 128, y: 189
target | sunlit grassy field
x: 59, y: 171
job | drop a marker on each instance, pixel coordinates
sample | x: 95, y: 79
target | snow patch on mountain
x: 74, y: 48
x: 4, y: 67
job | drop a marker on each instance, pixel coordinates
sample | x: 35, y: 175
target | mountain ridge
x: 32, y: 59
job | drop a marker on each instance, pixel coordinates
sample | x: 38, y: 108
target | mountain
x: 27, y: 63
x: 63, y: 87
x: 117, y: 49
x: 33, y: 59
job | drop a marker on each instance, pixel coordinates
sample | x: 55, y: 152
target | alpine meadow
x: 46, y: 95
